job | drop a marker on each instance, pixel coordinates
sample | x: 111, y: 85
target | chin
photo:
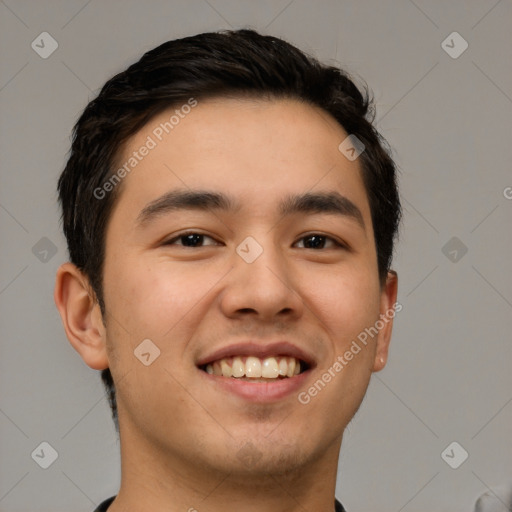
x: 260, y: 459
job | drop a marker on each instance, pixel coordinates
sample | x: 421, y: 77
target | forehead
x: 253, y: 149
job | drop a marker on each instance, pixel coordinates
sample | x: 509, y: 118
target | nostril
x: 246, y: 310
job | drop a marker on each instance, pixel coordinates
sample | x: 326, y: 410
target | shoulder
x: 103, y: 506
x: 338, y: 507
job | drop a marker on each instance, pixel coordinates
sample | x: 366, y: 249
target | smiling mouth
x: 256, y: 369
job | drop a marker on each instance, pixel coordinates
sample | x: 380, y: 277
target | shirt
x: 103, y: 507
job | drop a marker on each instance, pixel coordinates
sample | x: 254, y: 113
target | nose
x: 263, y: 289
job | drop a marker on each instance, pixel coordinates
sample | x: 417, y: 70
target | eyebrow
x: 322, y: 202
x: 186, y: 200
x: 204, y: 200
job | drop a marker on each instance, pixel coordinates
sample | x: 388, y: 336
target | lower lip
x: 259, y: 392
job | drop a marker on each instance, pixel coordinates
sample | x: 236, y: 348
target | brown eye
x: 317, y: 241
x: 192, y: 240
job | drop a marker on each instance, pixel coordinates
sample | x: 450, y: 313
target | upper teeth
x: 254, y: 367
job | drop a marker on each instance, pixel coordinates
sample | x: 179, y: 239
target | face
x: 242, y: 240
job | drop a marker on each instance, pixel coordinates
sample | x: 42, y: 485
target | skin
x: 181, y: 438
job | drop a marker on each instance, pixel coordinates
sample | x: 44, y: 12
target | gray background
x: 449, y: 122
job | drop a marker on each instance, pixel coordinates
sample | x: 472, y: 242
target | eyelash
x: 336, y: 243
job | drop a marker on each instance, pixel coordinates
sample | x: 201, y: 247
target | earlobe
x: 388, y: 310
x: 81, y: 316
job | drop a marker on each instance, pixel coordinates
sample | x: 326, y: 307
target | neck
x: 152, y: 479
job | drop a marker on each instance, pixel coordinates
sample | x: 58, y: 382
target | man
x: 230, y: 213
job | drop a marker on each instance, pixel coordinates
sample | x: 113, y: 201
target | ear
x: 388, y: 310
x: 81, y: 315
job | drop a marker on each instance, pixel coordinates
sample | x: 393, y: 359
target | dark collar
x: 103, y: 507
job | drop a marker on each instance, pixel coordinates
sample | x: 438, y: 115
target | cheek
x: 346, y: 302
x: 159, y: 301
x: 151, y: 298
